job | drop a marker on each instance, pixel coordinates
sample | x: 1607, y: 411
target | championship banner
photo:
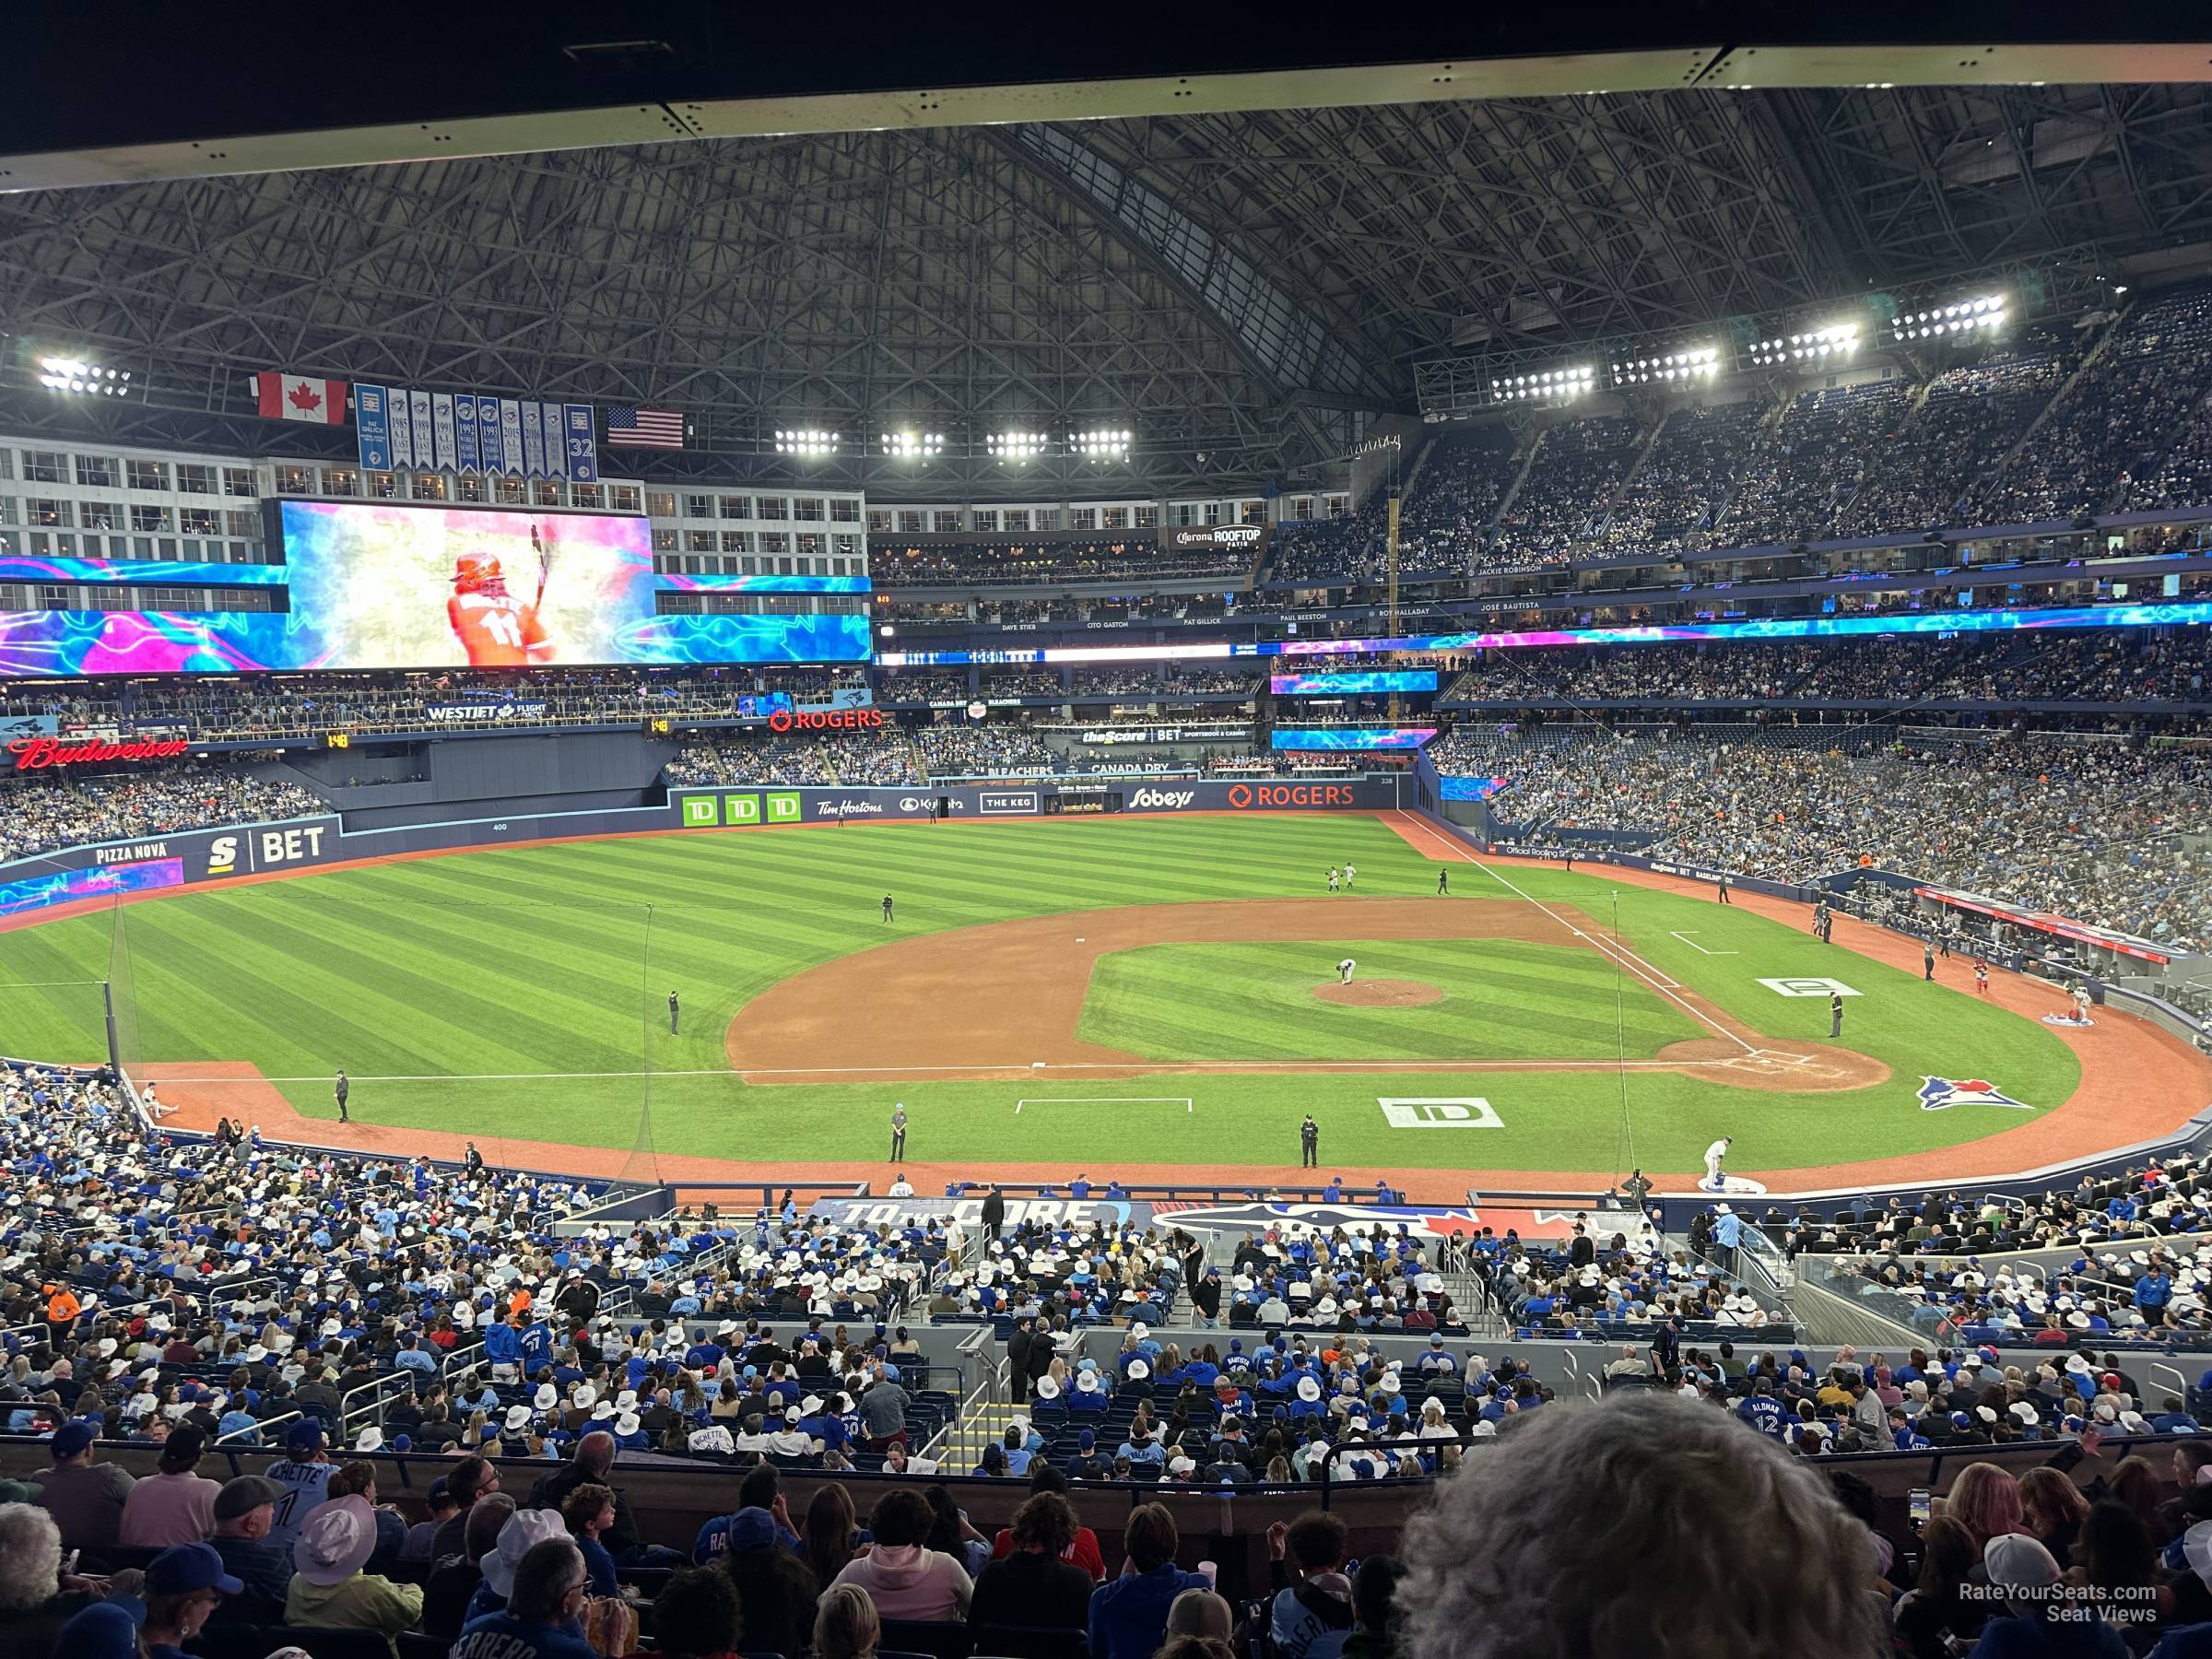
x: 533, y: 443
x: 441, y: 431
x: 550, y: 421
x: 419, y: 410
x: 403, y: 430
x: 464, y: 433
x: 510, y: 437
x: 582, y: 443
x: 371, y: 428
x: 489, y: 435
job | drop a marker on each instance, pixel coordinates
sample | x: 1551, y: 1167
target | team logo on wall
x: 1938, y: 1094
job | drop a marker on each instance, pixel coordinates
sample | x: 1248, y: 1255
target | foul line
x: 1659, y: 981
x: 1690, y: 939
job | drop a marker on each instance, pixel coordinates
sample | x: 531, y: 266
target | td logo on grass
x: 1439, y: 1112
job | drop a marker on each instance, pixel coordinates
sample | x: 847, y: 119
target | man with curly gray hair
x: 1647, y: 1526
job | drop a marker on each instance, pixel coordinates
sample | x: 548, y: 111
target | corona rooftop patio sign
x: 35, y: 754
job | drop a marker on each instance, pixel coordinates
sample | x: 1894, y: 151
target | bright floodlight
x: 1101, y: 443
x: 914, y: 446
x: 808, y: 440
x: 1016, y: 446
x: 1956, y: 320
x: 73, y: 375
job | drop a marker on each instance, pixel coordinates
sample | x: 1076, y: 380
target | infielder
x: 1344, y: 971
x: 1350, y: 870
x: 1713, y: 1155
x: 2081, y: 1006
x: 1332, y: 878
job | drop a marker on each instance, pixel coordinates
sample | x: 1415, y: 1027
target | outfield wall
x: 102, y: 872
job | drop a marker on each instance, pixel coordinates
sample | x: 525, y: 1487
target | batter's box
x: 1809, y: 987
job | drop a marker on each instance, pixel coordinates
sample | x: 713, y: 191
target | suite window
x: 194, y: 479
x: 141, y: 475
x: 150, y: 519
x: 95, y: 472
x: 44, y: 466
x: 239, y: 481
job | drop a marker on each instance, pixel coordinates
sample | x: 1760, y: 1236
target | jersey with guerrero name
x: 495, y: 630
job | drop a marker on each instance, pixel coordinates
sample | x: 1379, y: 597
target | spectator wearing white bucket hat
x: 329, y: 1591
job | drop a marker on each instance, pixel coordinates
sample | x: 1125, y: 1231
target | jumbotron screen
x: 1347, y: 684
x: 377, y: 586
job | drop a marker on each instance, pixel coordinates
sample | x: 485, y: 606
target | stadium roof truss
x: 1241, y: 285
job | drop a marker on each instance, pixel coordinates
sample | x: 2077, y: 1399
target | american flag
x: 645, y: 429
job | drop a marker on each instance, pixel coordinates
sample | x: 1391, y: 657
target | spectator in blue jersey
x: 1129, y: 1614
x: 503, y: 1350
x: 1763, y: 1411
x: 545, y: 1604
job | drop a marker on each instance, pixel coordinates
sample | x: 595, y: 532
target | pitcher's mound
x: 1380, y: 993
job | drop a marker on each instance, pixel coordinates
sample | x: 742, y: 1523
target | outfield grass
x: 1504, y: 999
x: 560, y: 959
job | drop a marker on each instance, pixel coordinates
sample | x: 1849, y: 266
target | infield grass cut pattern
x: 1504, y: 999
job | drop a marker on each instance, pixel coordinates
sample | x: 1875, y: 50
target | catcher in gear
x: 495, y: 628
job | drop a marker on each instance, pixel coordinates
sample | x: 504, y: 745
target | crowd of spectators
x: 882, y: 755
x: 2103, y: 832
x: 1829, y: 443
x: 49, y: 808
x: 1679, y: 492
x: 2102, y: 445
x: 1569, y: 491
x: 959, y: 748
x: 2116, y: 667
x: 1107, y: 558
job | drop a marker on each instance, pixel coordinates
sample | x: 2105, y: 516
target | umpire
x: 1835, y: 1013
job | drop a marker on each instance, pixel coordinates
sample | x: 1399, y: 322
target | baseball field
x: 1077, y: 994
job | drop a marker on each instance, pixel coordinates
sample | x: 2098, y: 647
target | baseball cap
x: 304, y: 1437
x: 243, y: 1495
x: 183, y: 1568
x: 2019, y: 1561
x: 73, y: 1437
x: 752, y: 1529
x: 106, y: 1629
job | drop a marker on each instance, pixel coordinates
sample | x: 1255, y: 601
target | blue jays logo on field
x: 1936, y: 1093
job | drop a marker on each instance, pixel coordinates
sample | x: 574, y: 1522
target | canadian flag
x: 300, y: 397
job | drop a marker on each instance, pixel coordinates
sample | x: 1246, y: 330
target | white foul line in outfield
x: 1182, y: 1100
x: 1690, y: 939
x: 1145, y: 1067
x: 1666, y: 987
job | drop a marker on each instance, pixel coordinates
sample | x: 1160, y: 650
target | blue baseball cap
x: 183, y: 1568
x: 73, y: 1437
x: 304, y: 1437
x: 1087, y: 1441
x: 106, y: 1629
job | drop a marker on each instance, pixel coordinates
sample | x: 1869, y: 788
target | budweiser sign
x: 35, y: 754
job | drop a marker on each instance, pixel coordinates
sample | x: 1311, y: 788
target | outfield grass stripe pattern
x: 559, y: 959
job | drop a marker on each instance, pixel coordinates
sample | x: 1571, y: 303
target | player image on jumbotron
x: 497, y: 629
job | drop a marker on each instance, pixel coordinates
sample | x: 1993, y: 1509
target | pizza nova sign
x: 36, y: 754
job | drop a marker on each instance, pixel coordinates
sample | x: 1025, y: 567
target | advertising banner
x: 1352, y: 685
x: 1214, y: 538
x: 969, y: 1211
x: 499, y: 712
x: 184, y: 572
x: 1350, y: 737
x: 1468, y: 789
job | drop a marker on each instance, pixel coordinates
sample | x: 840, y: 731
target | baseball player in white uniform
x: 1349, y: 871
x: 2081, y: 1005
x: 1713, y: 1154
x: 1344, y: 971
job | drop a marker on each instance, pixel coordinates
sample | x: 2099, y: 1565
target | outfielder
x: 1350, y: 870
x: 1344, y: 971
x: 1713, y: 1155
x: 1332, y: 878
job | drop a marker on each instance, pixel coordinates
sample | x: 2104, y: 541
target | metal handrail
x: 237, y: 1436
x: 2180, y: 1383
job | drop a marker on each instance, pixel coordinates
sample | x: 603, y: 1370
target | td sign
x: 773, y: 807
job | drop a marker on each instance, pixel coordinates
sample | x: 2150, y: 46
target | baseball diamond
x: 1018, y: 948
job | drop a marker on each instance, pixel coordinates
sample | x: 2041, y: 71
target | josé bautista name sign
x: 35, y: 754
x: 824, y: 719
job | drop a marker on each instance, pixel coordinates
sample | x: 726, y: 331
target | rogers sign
x: 1241, y: 795
x: 35, y: 754
x: 824, y: 719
